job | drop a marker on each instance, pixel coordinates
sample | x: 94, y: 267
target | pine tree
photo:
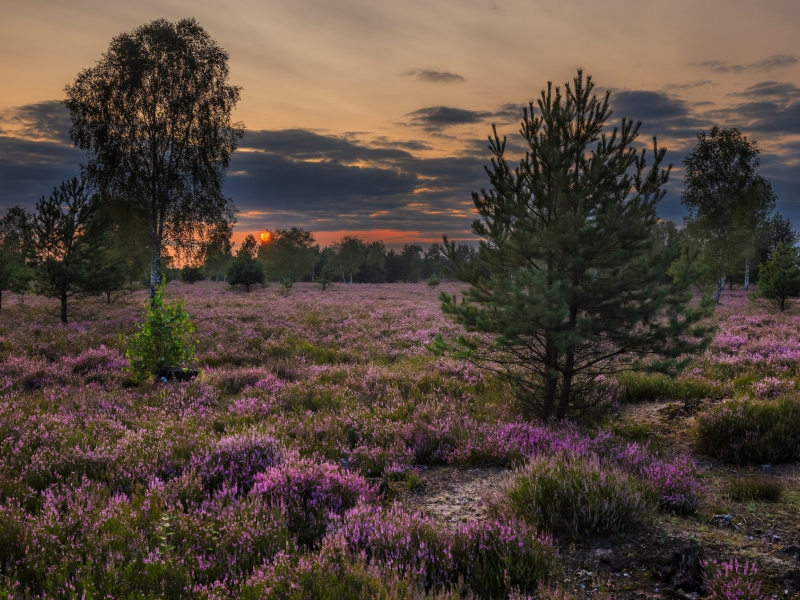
x: 779, y: 277
x: 15, y: 276
x: 66, y: 243
x: 571, y: 279
x: 245, y: 270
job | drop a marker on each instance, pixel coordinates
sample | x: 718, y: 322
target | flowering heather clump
x: 772, y: 387
x: 489, y: 558
x: 309, y: 494
x: 676, y: 483
x: 745, y: 432
x: 237, y: 459
x: 575, y: 493
x: 731, y: 580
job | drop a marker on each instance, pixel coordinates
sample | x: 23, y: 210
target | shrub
x: 675, y: 483
x: 237, y: 459
x: 744, y: 432
x: 192, y: 274
x: 433, y: 281
x: 488, y: 558
x: 163, y: 341
x: 573, y: 493
x: 309, y: 493
x: 318, y: 577
x: 755, y: 489
x: 733, y: 581
x: 493, y: 558
x: 772, y: 387
x: 643, y: 387
x: 246, y: 271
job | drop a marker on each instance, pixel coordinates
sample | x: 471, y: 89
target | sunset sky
x: 371, y: 117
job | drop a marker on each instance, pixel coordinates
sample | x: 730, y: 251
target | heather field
x: 325, y: 452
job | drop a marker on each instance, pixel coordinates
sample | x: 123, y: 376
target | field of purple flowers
x: 274, y: 474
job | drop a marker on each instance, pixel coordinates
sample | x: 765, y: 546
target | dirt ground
x: 650, y: 562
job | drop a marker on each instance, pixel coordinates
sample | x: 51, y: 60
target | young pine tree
x: 15, y: 276
x: 571, y: 280
x: 245, y: 269
x: 779, y: 277
x: 67, y: 244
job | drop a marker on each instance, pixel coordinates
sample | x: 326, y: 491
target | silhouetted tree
x: 727, y: 200
x: 779, y: 277
x: 192, y: 274
x: 289, y: 253
x: 412, y: 263
x: 245, y: 270
x: 154, y: 116
x: 15, y: 276
x: 350, y: 253
x: 218, y: 252
x: 577, y: 283
x: 66, y: 244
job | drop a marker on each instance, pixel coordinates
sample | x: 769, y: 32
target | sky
x: 371, y: 117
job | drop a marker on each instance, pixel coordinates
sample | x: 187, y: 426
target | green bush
x: 299, y: 578
x: 576, y: 494
x: 163, y: 340
x: 643, y: 387
x: 433, y: 281
x: 192, y: 274
x: 755, y: 489
x: 246, y: 271
x: 752, y: 432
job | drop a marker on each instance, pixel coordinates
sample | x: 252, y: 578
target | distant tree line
x: 292, y: 255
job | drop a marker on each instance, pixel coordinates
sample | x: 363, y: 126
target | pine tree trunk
x: 1, y: 299
x: 63, y: 307
x: 550, y: 378
x: 569, y: 366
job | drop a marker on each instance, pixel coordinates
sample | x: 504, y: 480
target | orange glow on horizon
x: 390, y: 237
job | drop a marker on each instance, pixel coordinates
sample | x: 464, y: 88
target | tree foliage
x: 289, y: 253
x: 68, y: 244
x: 154, y: 116
x: 571, y: 279
x: 779, y: 277
x: 163, y: 341
x: 245, y: 269
x: 728, y: 202
x: 15, y: 276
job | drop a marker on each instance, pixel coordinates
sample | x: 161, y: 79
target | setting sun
x: 265, y: 237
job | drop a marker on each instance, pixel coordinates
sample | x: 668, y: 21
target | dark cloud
x: 440, y: 117
x: 41, y: 121
x: 771, y: 109
x: 411, y: 145
x: 661, y: 114
x: 776, y: 61
x: 690, y: 85
x: 306, y: 178
x: 31, y: 169
x: 357, y: 181
x: 432, y: 76
x: 770, y: 89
